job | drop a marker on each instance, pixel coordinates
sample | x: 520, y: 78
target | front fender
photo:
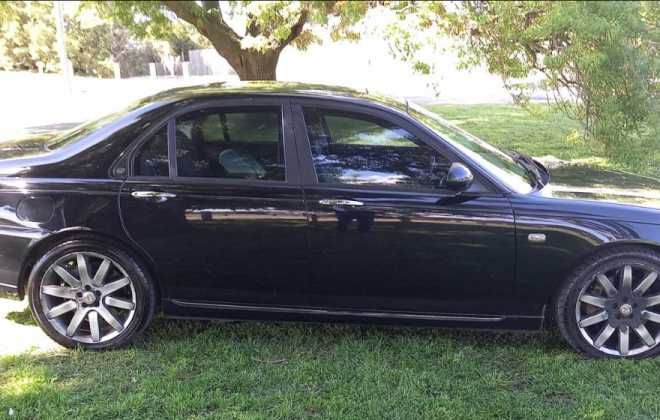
x: 572, y: 234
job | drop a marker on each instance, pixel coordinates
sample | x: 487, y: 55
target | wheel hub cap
x: 625, y: 309
x: 88, y: 298
x: 618, y: 311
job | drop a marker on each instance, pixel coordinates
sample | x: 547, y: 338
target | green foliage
x: 185, y: 38
x: 94, y: 40
x: 268, y: 25
x: 541, y: 133
x: 600, y: 63
x: 27, y: 35
x: 253, y: 50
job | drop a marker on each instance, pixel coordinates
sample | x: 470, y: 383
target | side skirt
x: 178, y: 309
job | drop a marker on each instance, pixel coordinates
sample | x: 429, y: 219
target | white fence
x: 202, y: 63
x: 208, y: 62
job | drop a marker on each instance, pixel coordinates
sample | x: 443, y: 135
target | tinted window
x: 237, y: 142
x: 151, y: 157
x: 351, y: 148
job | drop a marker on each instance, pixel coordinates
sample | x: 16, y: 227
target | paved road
x: 33, y: 103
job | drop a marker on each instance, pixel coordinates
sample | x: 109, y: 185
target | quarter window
x: 151, y: 158
x: 237, y: 143
x: 351, y: 148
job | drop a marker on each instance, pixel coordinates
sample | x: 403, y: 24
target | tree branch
x: 253, y: 28
x: 217, y: 31
x: 208, y: 5
x: 296, y: 30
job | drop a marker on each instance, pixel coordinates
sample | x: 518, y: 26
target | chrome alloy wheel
x: 618, y: 310
x: 88, y: 297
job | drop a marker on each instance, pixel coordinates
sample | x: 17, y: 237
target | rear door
x: 214, y: 198
x: 386, y: 233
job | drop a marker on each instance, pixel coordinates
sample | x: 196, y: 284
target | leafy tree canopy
x: 269, y: 27
x: 600, y: 63
x: 95, y: 41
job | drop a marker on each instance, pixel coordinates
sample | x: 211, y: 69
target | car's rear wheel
x: 93, y: 293
x: 609, y: 306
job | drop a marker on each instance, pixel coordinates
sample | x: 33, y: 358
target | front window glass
x: 236, y: 143
x: 489, y: 157
x: 351, y: 148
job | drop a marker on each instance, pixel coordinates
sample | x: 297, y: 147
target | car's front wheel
x: 609, y: 306
x: 91, y: 292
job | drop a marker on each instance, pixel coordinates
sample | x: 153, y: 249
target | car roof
x: 290, y: 89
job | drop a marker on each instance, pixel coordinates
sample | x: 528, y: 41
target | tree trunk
x: 253, y: 65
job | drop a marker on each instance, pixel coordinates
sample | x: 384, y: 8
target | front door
x: 214, y: 198
x: 386, y: 233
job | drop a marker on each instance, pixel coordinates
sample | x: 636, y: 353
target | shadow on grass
x: 23, y: 317
x: 311, y: 335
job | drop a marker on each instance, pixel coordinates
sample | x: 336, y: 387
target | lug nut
x: 98, y: 293
x: 79, y: 294
x: 88, y: 288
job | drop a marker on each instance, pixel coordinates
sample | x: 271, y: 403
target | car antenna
x: 407, y: 106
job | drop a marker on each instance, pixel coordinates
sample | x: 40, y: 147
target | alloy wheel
x: 618, y: 310
x: 88, y: 297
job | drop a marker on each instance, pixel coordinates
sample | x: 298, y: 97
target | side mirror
x: 459, y: 177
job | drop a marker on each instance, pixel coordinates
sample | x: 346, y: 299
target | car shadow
x: 306, y: 335
x: 185, y: 331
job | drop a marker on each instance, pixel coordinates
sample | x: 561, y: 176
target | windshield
x: 80, y: 132
x: 490, y: 158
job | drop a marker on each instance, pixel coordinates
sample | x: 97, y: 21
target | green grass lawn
x: 215, y: 370
x: 510, y: 127
x: 200, y: 370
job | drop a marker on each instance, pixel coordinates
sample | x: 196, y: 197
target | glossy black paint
x: 223, y: 242
x: 411, y: 252
x: 264, y: 250
x: 79, y: 205
x: 459, y: 177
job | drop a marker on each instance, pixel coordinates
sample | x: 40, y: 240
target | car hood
x: 27, y: 147
x: 593, y: 184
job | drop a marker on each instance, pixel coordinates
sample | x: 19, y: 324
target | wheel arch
x: 651, y: 245
x: 40, y: 247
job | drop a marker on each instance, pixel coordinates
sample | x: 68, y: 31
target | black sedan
x: 287, y: 202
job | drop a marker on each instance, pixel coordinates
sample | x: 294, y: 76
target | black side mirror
x: 459, y: 177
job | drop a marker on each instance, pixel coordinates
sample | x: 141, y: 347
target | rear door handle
x: 158, y: 196
x: 340, y: 202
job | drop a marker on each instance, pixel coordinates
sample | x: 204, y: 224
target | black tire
x: 565, y: 302
x: 143, y: 291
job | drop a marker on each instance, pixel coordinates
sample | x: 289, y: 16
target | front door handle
x: 157, y: 196
x: 340, y: 202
